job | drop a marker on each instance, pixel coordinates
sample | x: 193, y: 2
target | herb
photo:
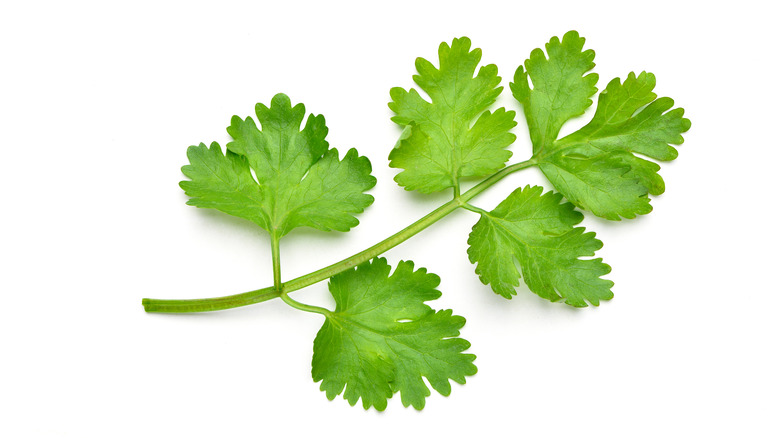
x: 383, y: 338
x: 438, y: 147
x: 364, y: 346
x: 538, y: 231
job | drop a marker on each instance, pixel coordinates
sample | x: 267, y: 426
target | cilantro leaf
x: 299, y: 180
x: 560, y: 90
x: 438, y: 147
x: 382, y: 338
x: 596, y: 167
x: 537, y: 231
x: 629, y: 120
x: 223, y: 182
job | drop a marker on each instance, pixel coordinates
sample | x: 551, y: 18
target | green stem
x: 276, y: 261
x: 260, y: 295
x: 474, y: 208
x: 371, y: 252
x: 210, y: 304
x: 305, y: 307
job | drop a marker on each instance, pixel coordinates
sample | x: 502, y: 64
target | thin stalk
x: 210, y: 304
x: 473, y: 208
x: 305, y: 307
x: 260, y: 295
x: 275, y: 256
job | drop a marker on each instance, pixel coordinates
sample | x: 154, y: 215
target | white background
x: 99, y: 101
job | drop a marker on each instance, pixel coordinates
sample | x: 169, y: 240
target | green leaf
x: 382, y: 338
x: 601, y: 184
x: 537, y: 232
x: 440, y: 148
x: 596, y: 167
x: 298, y: 181
x: 560, y: 91
x: 223, y: 182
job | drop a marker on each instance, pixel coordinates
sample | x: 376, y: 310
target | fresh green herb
x: 439, y: 148
x: 538, y: 231
x: 595, y: 168
x: 365, y: 346
x: 382, y: 338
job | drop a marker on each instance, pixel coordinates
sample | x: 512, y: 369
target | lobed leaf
x: 439, y: 145
x: 597, y: 167
x: 223, y: 182
x: 382, y: 338
x: 298, y: 180
x: 560, y: 91
x: 537, y: 232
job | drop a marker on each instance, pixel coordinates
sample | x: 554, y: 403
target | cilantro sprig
x: 383, y: 338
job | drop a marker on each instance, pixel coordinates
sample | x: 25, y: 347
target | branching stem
x: 282, y: 289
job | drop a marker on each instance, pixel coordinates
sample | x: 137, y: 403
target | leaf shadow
x: 225, y: 221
